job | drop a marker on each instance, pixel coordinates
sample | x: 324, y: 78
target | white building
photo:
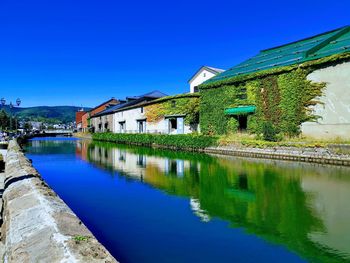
x: 203, y: 74
x: 132, y: 116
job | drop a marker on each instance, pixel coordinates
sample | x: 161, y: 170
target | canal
x: 150, y: 205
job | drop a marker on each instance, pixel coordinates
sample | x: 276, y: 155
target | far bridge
x: 53, y: 133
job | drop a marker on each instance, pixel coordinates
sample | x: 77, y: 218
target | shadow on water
x: 300, y: 206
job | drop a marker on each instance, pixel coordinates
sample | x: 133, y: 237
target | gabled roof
x: 329, y: 43
x: 217, y: 70
x: 210, y: 69
x: 138, y: 100
x: 154, y: 94
x: 106, y: 102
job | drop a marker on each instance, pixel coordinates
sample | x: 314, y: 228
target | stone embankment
x: 311, y: 155
x: 83, y: 135
x: 37, y: 225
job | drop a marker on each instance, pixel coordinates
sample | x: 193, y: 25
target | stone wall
x: 37, y: 225
x: 310, y: 155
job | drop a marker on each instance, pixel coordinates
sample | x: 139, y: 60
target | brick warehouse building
x: 103, y: 106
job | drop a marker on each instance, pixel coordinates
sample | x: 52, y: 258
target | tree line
x: 7, y: 123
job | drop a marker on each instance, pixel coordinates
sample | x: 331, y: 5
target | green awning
x: 240, y: 110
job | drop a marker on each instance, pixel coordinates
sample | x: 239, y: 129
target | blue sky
x: 75, y: 52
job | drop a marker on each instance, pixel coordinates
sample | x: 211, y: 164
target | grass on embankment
x: 180, y: 141
x: 191, y: 141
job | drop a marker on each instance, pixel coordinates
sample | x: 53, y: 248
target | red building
x: 85, y: 119
x: 79, y: 119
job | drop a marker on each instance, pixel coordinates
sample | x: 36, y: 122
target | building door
x: 242, y: 121
x: 141, y: 126
x: 172, y: 126
x: 180, y: 125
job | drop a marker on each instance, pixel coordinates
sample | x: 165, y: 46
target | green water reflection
x: 301, y: 206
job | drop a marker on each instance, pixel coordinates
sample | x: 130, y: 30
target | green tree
x: 4, y: 120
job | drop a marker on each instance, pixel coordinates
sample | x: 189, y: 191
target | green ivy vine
x: 282, y: 100
x: 186, y: 105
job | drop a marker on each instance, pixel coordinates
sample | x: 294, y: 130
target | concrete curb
x: 37, y: 225
x: 305, y: 155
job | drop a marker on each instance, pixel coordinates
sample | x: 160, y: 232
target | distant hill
x: 50, y: 114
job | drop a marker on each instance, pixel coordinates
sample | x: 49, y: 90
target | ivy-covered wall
x: 177, y: 105
x: 282, y: 100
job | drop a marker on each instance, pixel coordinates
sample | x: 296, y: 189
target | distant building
x: 79, y: 119
x: 203, y: 74
x: 85, y: 122
x: 36, y: 125
x: 105, y: 120
x: 153, y: 112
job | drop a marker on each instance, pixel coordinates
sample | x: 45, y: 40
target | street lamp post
x: 18, y: 102
x: 3, y: 102
x: 11, y: 106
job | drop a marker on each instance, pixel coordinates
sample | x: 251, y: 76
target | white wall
x: 335, y: 112
x: 200, y: 77
x: 132, y: 115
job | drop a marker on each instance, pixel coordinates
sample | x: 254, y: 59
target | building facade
x: 155, y: 113
x: 203, y: 74
x: 79, y: 119
x: 297, y: 88
x: 86, y: 118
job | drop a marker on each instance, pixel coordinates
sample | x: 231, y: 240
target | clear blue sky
x: 82, y: 52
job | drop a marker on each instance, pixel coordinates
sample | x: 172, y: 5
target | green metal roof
x: 240, y: 110
x: 319, y: 46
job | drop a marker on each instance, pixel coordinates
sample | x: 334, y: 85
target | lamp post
x: 18, y: 102
x: 3, y: 102
x: 11, y: 106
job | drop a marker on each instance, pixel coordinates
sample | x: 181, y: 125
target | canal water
x: 148, y: 205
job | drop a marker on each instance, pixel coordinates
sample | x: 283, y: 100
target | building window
x: 195, y: 89
x: 173, y: 103
x: 141, y: 126
x: 204, y: 74
x: 141, y: 109
x: 242, y: 94
x: 122, y: 126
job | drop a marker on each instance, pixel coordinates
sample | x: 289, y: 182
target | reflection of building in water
x: 82, y: 149
x: 297, y: 205
x: 330, y: 200
x: 135, y: 165
x: 174, y: 167
x: 196, y: 208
